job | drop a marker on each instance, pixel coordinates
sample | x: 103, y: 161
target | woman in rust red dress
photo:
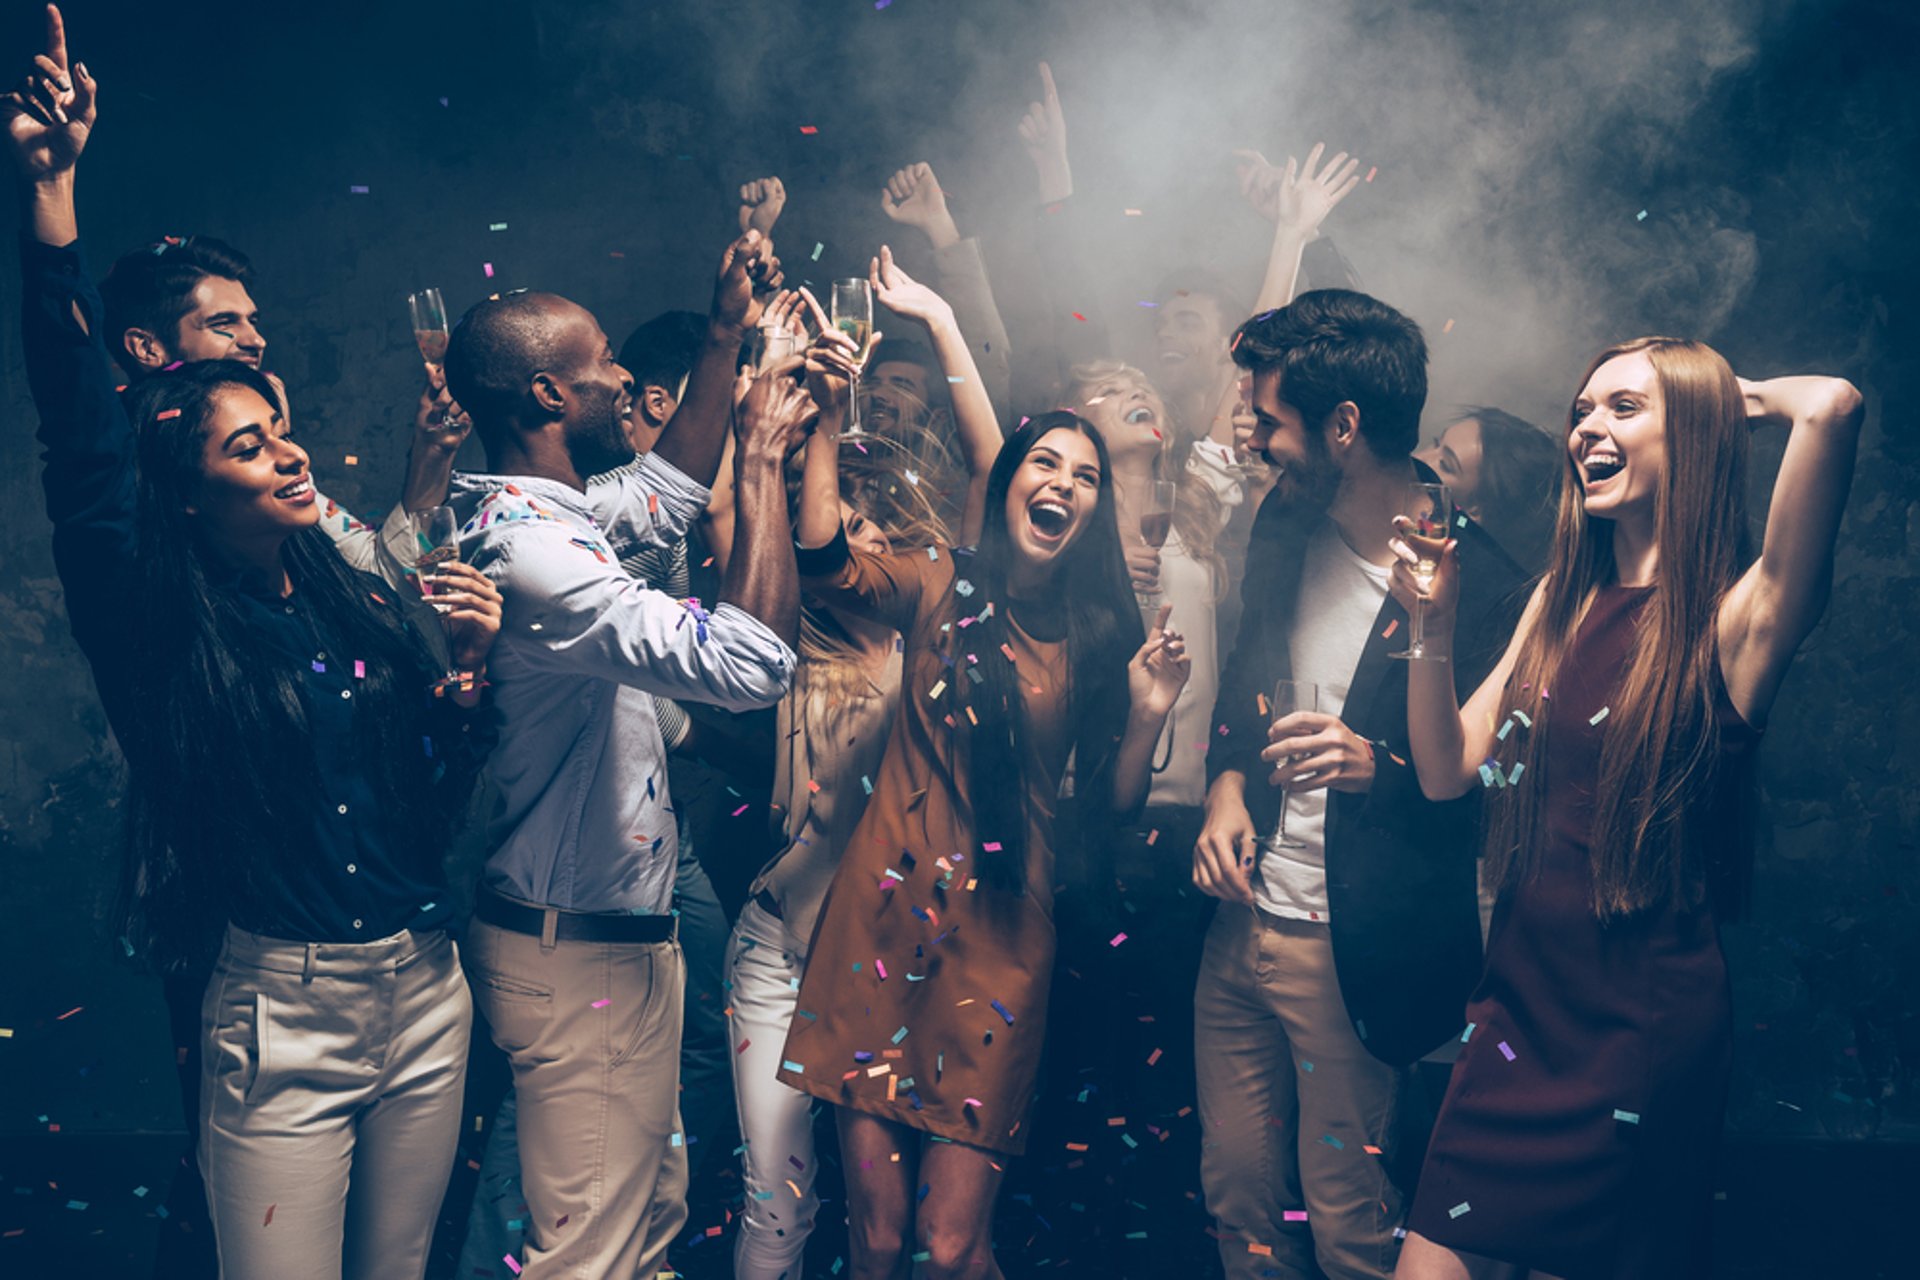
x: 1578, y: 1134
x: 924, y: 1003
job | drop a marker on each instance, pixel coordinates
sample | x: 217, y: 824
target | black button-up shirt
x: 358, y: 886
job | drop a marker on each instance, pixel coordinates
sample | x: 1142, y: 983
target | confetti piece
x: 268, y: 1221
x: 1506, y: 1051
x: 1154, y: 1057
x: 1393, y: 625
x: 818, y: 249
x: 809, y: 129
x: 1447, y: 327
x: 881, y: 968
x: 1118, y: 938
x: 1002, y: 1011
x: 1371, y: 172
x: 487, y: 267
x: 1077, y: 316
x: 1294, y: 1215
x: 742, y: 809
x: 1371, y: 1150
x: 1468, y: 1032
x: 353, y: 459
x: 1597, y: 716
x: 496, y: 226
x: 1520, y: 767
x: 1262, y: 1250
x: 1333, y: 1142
x: 1627, y: 1117
x: 1521, y: 716
x: 1640, y: 216
x: 358, y: 191
x: 788, y: 1064
x: 512, y: 1265
x: 69, y: 1013
x: 1461, y: 1208
x: 601, y: 1004
x: 165, y: 414
x: 900, y: 1035
x: 1132, y: 213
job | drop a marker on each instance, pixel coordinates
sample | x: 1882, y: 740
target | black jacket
x: 1400, y: 868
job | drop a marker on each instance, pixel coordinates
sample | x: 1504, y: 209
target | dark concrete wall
x: 608, y: 138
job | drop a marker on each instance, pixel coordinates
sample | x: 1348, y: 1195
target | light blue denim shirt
x: 585, y: 821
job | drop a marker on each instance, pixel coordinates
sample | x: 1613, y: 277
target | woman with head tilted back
x: 1578, y: 1133
x: 921, y: 1013
x: 292, y: 779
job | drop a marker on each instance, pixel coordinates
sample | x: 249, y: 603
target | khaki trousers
x: 593, y: 1032
x: 330, y: 1103
x: 1289, y: 1103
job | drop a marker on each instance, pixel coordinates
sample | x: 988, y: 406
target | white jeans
x: 764, y: 964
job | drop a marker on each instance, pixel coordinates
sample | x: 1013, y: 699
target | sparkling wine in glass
x: 1156, y: 523
x: 1290, y: 696
x: 436, y: 534
x: 429, y: 325
x: 1429, y: 509
x: 852, y: 314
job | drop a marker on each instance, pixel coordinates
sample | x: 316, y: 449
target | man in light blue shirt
x: 572, y: 946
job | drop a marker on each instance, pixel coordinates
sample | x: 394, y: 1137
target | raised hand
x: 1044, y: 132
x: 772, y: 417
x: 1160, y: 669
x: 50, y: 116
x: 747, y: 269
x: 761, y: 202
x: 1297, y: 197
x: 832, y: 361
x: 899, y: 292
x: 913, y: 196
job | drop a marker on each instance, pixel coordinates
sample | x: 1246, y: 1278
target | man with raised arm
x: 573, y: 947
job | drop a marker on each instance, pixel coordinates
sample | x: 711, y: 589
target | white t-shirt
x: 1340, y: 596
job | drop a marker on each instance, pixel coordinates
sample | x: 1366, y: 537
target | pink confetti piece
x: 511, y: 1264
x: 1118, y: 938
x: 1371, y: 172
x: 601, y: 1004
x: 1294, y: 1215
x: 487, y: 267
x: 880, y: 967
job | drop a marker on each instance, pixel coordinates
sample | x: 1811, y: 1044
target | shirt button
x: 358, y: 925
x: 319, y: 657
x: 287, y: 609
x: 346, y: 693
x: 343, y: 808
x: 352, y: 868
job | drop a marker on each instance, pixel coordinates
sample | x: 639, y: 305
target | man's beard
x: 1311, y: 483
x: 599, y: 442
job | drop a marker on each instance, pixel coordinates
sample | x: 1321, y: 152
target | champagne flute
x: 1429, y: 508
x: 436, y: 534
x: 852, y: 315
x: 430, y: 329
x: 1156, y: 523
x: 1290, y: 696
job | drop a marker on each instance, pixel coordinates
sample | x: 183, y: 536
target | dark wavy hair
x: 224, y: 784
x: 1103, y: 629
x: 1335, y: 345
x: 1519, y: 494
x: 150, y: 289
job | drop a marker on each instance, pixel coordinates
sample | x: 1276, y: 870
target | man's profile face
x: 599, y: 392
x: 1306, y: 470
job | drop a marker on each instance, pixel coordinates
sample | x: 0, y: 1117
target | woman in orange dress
x: 922, y: 1010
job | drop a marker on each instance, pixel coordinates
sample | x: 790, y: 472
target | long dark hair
x: 1658, y: 757
x: 1103, y: 629
x: 224, y: 784
x: 1520, y: 468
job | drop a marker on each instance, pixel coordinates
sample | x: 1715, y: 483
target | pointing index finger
x: 1051, y: 94
x: 56, y: 36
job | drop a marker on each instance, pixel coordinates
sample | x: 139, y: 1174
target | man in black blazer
x: 1337, y: 960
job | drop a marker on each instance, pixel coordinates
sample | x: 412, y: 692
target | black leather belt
x: 769, y: 904
x: 574, y: 926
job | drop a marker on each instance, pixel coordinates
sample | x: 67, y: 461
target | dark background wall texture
x: 1551, y: 177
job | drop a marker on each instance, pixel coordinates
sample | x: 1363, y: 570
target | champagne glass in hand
x: 429, y: 325
x: 1156, y: 523
x: 1428, y: 510
x: 852, y: 311
x: 1290, y: 696
x: 436, y: 534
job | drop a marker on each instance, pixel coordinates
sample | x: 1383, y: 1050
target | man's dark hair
x: 1335, y: 345
x: 663, y: 350
x: 907, y: 351
x: 1207, y: 283
x: 149, y: 288
x: 493, y: 354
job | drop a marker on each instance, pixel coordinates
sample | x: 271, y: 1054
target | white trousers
x: 764, y: 964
